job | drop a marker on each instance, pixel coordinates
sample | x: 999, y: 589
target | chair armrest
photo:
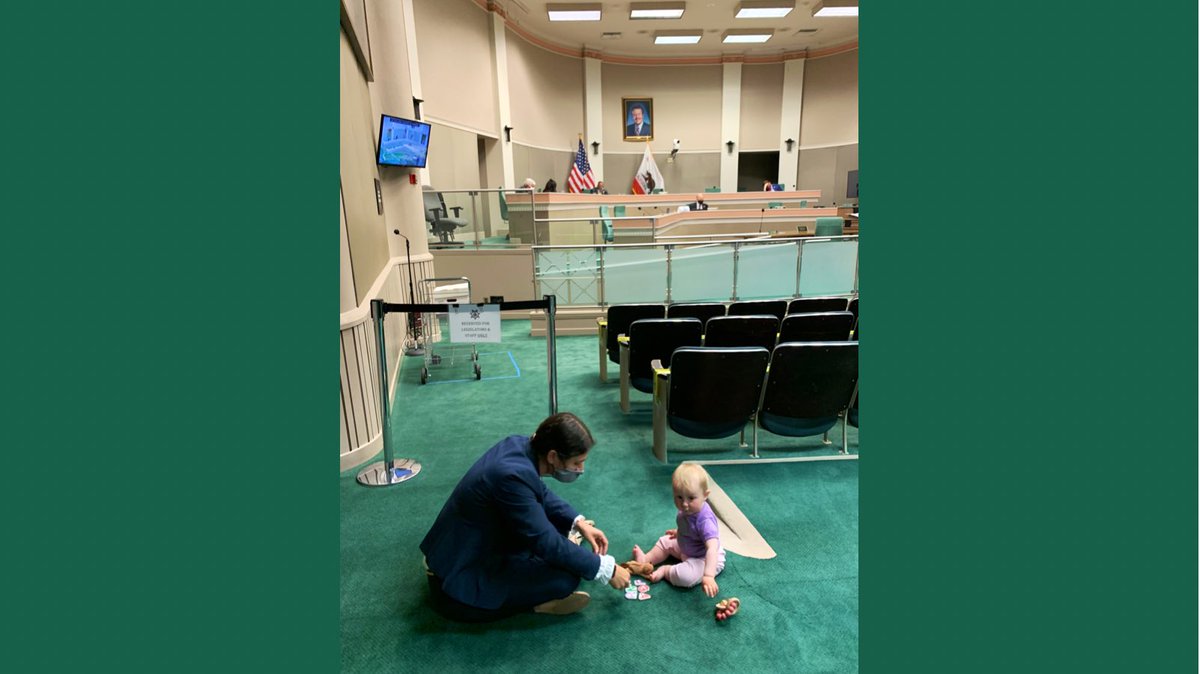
x: 623, y: 339
x: 457, y: 211
x: 600, y: 320
x: 656, y: 365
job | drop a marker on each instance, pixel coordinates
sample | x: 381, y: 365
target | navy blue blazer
x: 501, y: 509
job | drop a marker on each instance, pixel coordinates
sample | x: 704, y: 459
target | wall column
x: 593, y: 111
x: 503, y: 112
x: 397, y: 82
x: 789, y: 121
x: 731, y: 122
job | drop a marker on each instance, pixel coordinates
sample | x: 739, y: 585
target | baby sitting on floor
x: 695, y: 542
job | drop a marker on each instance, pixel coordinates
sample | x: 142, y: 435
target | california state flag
x: 648, y: 178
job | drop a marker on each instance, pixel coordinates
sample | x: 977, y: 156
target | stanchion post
x: 551, y: 356
x: 389, y: 471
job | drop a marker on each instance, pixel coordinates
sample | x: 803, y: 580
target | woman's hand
x: 593, y: 536
x: 671, y: 533
x: 710, y: 586
x: 620, y: 578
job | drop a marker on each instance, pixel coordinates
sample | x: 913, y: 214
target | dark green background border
x: 170, y: 495
x: 170, y: 252
x: 1029, y: 272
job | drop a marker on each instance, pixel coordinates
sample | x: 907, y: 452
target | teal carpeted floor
x: 799, y: 611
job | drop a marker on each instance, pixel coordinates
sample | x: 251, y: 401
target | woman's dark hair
x: 551, y: 186
x: 565, y: 433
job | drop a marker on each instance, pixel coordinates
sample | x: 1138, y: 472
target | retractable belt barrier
x: 394, y: 471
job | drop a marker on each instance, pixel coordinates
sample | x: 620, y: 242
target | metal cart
x: 447, y: 355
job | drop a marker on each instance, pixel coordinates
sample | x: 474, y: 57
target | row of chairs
x: 713, y: 392
x: 620, y: 317
x: 653, y: 339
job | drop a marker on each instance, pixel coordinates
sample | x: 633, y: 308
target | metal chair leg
x: 845, y: 419
x: 825, y: 439
x: 755, y: 422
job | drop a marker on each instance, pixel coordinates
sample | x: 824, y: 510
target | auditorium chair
x: 701, y: 310
x: 741, y: 331
x: 615, y: 323
x: 812, y: 305
x: 829, y: 326
x: 809, y: 386
x: 652, y: 339
x: 777, y: 308
x: 707, y: 393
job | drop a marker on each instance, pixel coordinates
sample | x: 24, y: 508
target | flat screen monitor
x: 778, y: 187
x: 852, y: 184
x: 402, y: 142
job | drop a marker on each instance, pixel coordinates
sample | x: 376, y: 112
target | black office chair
x: 438, y: 216
x: 616, y: 323
x: 777, y: 308
x: 741, y: 331
x: 809, y: 386
x: 829, y: 326
x: 701, y: 310
x: 653, y: 339
x: 708, y: 393
x: 812, y: 305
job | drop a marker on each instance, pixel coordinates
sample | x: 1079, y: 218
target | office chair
x: 438, y: 216
x: 829, y: 226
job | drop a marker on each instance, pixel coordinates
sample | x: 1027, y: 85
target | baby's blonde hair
x: 690, y: 476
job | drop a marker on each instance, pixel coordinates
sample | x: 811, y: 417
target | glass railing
x: 471, y: 218
x: 718, y: 271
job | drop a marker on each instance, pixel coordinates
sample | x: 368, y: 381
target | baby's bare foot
x: 638, y: 555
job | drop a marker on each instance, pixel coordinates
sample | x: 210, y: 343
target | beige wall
x: 691, y: 172
x: 687, y: 105
x: 365, y: 227
x: 762, y: 101
x: 830, y: 112
x: 545, y: 93
x: 457, y: 81
x: 453, y: 158
x: 825, y: 169
x: 539, y: 164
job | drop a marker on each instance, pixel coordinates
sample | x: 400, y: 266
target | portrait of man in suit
x: 638, y: 122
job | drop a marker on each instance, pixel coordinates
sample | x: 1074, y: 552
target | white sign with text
x: 474, y: 323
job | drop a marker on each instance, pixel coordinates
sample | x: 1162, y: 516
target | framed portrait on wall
x: 639, y: 118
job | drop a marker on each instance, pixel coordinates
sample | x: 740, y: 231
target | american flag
x: 581, y: 179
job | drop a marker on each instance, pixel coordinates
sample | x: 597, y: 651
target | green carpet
x: 799, y: 611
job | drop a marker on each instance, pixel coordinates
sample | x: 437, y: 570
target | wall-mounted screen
x: 852, y: 184
x: 402, y: 142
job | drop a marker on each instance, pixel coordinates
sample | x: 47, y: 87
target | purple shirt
x: 694, y: 530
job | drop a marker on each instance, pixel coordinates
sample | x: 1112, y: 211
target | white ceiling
x: 714, y: 17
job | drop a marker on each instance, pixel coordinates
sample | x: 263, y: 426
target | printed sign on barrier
x: 474, y: 323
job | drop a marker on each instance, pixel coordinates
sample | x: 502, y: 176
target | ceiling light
x: 656, y: 10
x: 747, y: 35
x: 578, y: 11
x: 770, y: 9
x: 825, y: 8
x: 677, y: 36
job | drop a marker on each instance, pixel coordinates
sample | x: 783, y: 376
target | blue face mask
x: 564, y: 475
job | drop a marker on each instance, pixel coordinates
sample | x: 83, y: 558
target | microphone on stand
x: 413, y: 339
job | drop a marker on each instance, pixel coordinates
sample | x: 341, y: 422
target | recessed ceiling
x: 797, y: 31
